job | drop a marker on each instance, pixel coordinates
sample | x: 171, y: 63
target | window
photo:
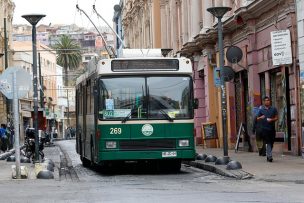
x: 278, y: 96
x: 88, y: 97
x: 92, y: 98
x: 79, y: 101
x: 156, y: 97
x: 170, y: 95
x: 117, y: 102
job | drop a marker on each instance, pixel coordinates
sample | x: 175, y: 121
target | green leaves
x: 68, y: 54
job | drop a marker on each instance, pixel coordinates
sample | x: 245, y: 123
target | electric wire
x: 106, y: 45
x: 99, y: 16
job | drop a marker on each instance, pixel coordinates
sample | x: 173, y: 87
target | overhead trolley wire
x: 106, y: 44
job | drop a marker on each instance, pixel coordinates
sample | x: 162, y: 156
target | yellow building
x: 23, y: 58
x: 48, y: 66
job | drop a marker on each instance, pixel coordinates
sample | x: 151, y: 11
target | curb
x: 4, y: 155
x: 66, y: 167
x: 220, y: 169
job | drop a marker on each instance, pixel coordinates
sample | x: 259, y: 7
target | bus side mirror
x: 195, y: 103
x: 100, y: 116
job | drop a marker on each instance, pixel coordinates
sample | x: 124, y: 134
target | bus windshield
x: 145, y: 97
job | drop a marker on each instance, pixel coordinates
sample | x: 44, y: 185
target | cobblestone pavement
x: 129, y: 184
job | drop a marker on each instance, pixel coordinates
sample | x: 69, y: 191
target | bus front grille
x: 159, y: 144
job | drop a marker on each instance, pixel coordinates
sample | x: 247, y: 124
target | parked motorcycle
x: 29, y: 143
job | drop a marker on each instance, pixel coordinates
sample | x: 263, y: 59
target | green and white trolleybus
x: 136, y: 109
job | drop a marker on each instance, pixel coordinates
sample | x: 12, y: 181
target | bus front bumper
x: 147, y: 155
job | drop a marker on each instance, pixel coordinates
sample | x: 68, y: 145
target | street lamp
x: 219, y: 12
x: 33, y: 19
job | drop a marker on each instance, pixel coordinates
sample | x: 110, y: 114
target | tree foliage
x: 68, y: 55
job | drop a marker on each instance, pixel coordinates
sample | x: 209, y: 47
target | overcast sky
x: 64, y: 11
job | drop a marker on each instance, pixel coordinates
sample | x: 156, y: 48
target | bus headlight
x: 111, y: 145
x: 183, y: 143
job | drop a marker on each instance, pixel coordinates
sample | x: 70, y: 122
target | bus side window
x: 96, y: 99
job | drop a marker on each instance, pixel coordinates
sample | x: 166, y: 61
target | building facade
x: 24, y: 60
x: 6, y: 17
x: 117, y: 19
x: 141, y: 23
x: 300, y: 25
x: 189, y: 30
x: 47, y: 61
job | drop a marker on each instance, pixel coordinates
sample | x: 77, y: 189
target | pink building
x: 250, y: 29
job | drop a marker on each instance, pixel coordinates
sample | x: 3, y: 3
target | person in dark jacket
x: 267, y: 116
x: 3, y: 137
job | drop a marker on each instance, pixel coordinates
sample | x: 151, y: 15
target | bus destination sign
x: 127, y: 65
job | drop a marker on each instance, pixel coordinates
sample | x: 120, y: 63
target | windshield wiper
x: 166, y: 115
x: 129, y: 114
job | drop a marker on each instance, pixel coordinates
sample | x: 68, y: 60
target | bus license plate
x: 169, y: 154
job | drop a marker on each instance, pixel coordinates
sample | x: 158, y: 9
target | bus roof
x: 104, y: 67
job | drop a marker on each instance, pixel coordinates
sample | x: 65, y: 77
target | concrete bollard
x: 45, y: 174
x: 24, y: 172
x: 44, y: 171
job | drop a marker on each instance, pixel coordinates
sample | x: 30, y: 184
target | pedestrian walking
x: 267, y: 116
x: 4, y: 138
x: 257, y: 130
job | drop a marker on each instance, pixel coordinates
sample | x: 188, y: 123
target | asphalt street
x: 132, y: 183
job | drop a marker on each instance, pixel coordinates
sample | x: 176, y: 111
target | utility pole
x: 219, y: 12
x: 16, y: 122
x: 41, y: 83
x: 33, y: 19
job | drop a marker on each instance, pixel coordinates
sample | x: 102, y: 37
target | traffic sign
x: 23, y: 81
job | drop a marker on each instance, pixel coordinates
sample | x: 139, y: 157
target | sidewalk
x: 52, y: 153
x: 284, y: 168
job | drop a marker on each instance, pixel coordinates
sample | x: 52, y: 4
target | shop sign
x: 281, y: 47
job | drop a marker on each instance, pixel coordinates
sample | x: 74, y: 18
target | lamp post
x: 219, y: 12
x: 33, y: 19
